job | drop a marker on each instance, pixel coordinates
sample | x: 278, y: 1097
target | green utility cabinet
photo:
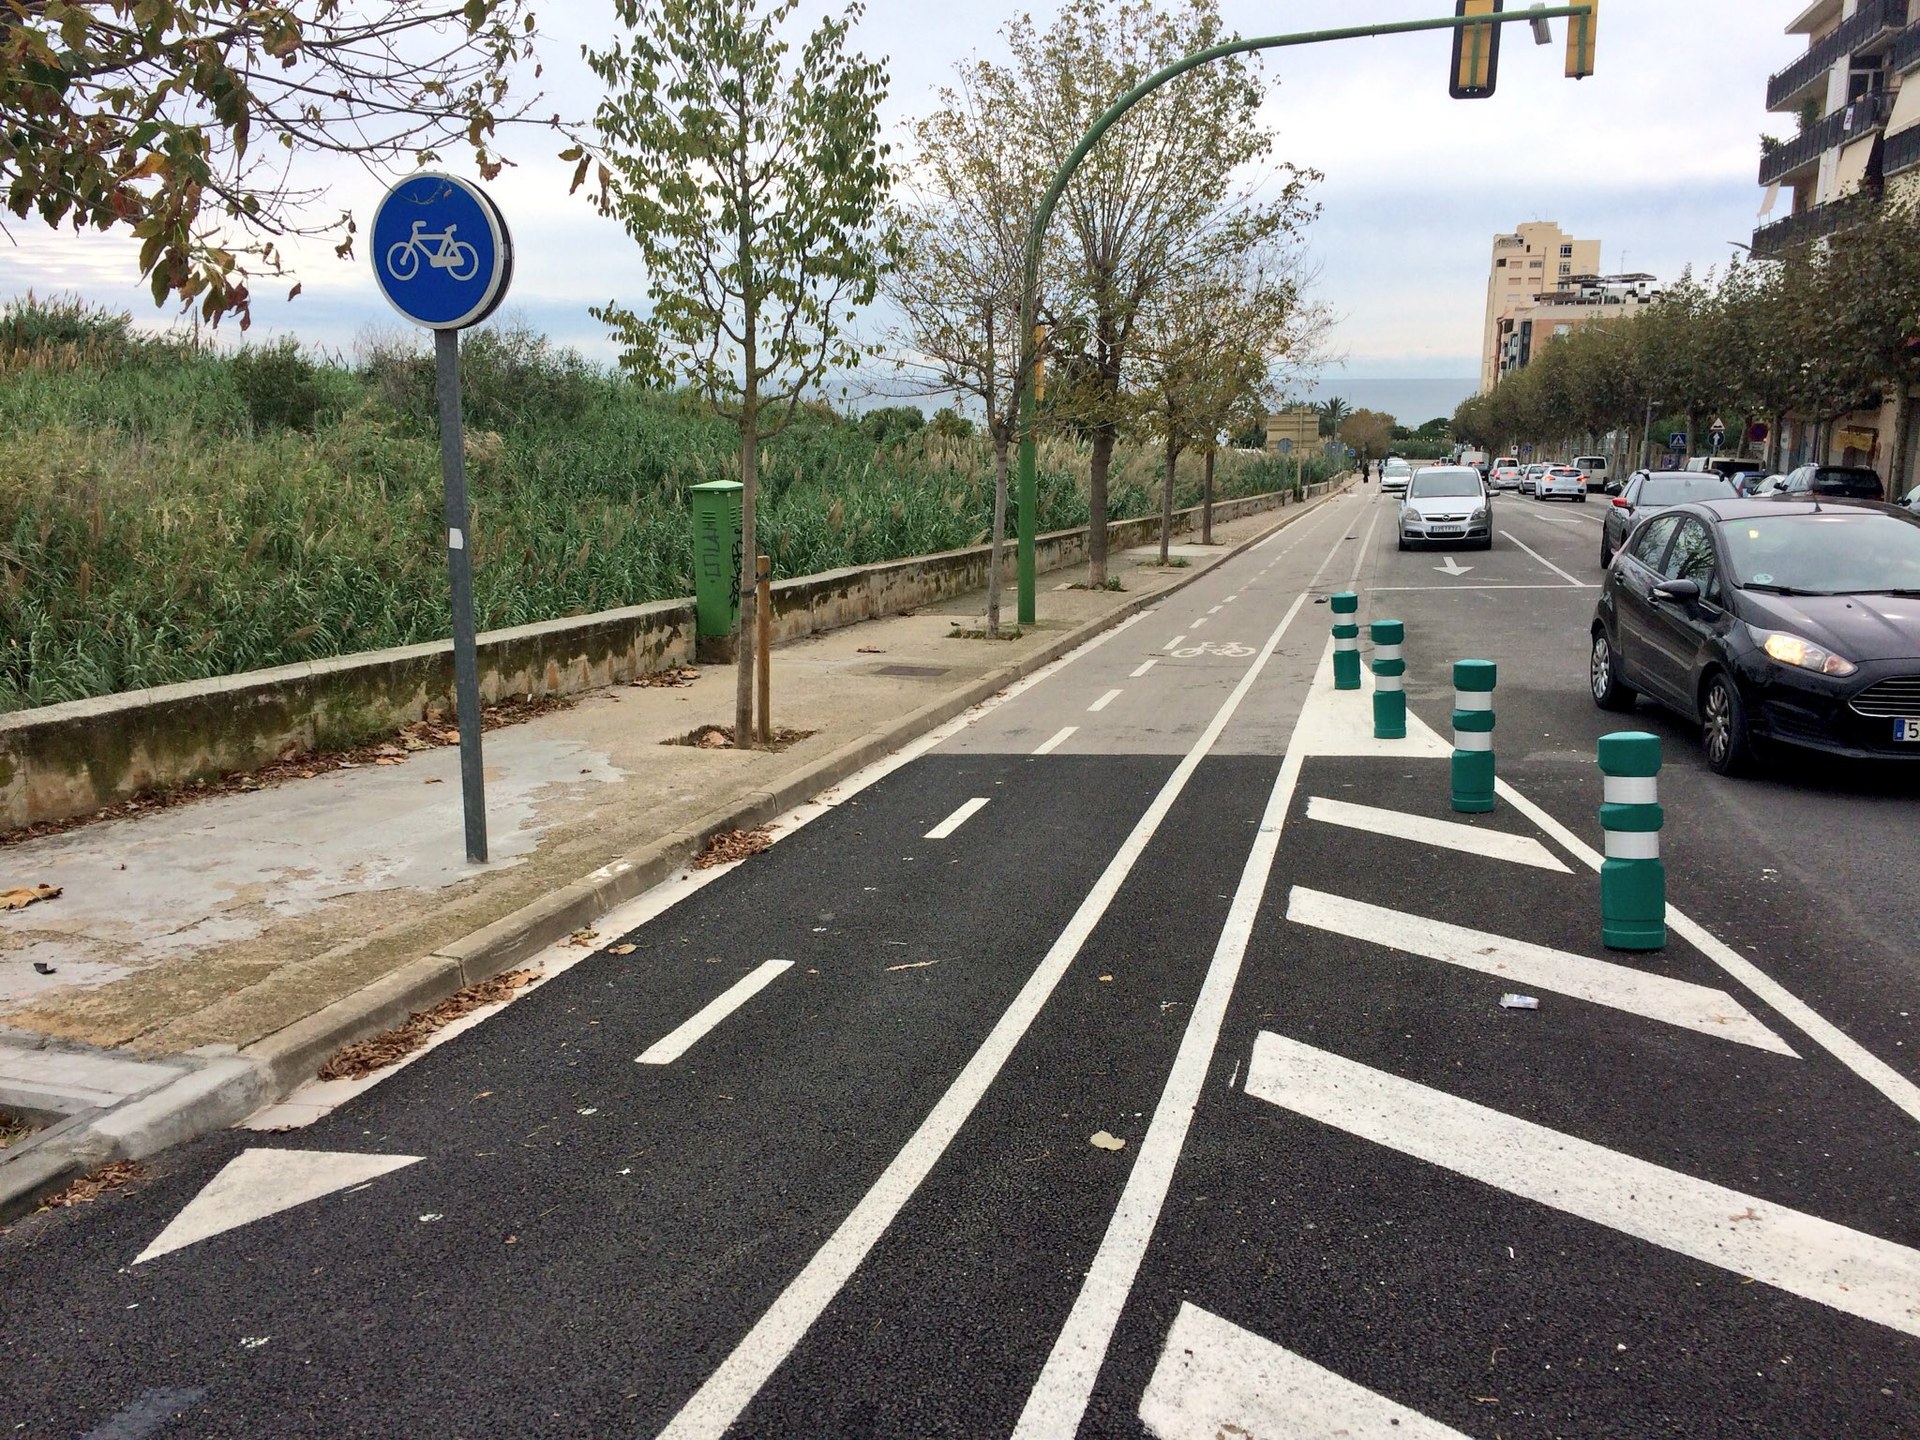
x: 717, y: 556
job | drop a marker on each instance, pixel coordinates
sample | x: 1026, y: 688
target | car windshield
x: 1825, y: 554
x: 1680, y: 489
x: 1396, y: 467
x: 1444, y: 485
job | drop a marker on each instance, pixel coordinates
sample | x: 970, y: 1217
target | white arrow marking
x: 258, y: 1183
x: 1453, y: 567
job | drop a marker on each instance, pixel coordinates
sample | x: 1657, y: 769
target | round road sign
x: 441, y: 252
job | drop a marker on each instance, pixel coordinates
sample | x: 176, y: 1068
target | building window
x: 1566, y: 252
x: 1501, y: 263
x: 1566, y: 269
x: 1536, y: 264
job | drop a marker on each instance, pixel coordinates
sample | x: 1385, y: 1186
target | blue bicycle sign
x: 441, y: 252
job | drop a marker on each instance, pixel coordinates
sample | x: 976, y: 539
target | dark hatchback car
x: 1649, y: 492
x: 1845, y: 482
x: 1769, y: 620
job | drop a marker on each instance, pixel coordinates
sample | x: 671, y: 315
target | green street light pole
x: 1043, y: 216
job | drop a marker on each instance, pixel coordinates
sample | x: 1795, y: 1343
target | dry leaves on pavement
x: 731, y: 845
x: 117, y: 1176
x: 666, y: 679
x: 363, y: 1058
x: 27, y: 895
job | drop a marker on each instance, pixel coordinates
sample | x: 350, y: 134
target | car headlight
x: 1481, y: 513
x: 1802, y: 654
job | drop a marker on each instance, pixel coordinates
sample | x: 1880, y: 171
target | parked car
x: 1649, y: 492
x: 1447, y: 503
x: 1767, y: 485
x: 1725, y: 466
x: 1395, y: 476
x: 1599, y: 474
x: 1769, y: 620
x: 1530, y: 479
x: 1912, y: 500
x: 1561, y: 482
x: 1852, y: 482
x: 1505, y: 474
x: 1748, y: 482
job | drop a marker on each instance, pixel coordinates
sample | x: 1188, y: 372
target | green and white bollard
x: 1473, y: 682
x: 1633, y: 881
x: 1346, y: 641
x: 1389, y: 700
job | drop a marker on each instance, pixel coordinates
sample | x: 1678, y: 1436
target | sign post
x: 1719, y: 432
x: 443, y: 259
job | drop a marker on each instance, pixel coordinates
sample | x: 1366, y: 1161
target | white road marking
x: 959, y: 817
x: 1447, y: 834
x: 1198, y: 623
x: 670, y: 1047
x: 1049, y: 746
x: 1834, y: 1265
x: 1823, y: 1032
x: 1216, y: 609
x: 1546, y: 562
x: 1174, y: 642
x: 1457, y: 589
x: 1340, y: 722
x: 1453, y: 567
x: 719, y: 1402
x: 1231, y: 598
x: 1143, y: 669
x: 1216, y: 1379
x: 258, y: 1183
x: 1104, y: 701
x: 1600, y: 982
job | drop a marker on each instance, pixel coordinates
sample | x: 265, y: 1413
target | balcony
x: 1859, y: 31
x: 1770, y: 242
x: 1848, y: 123
x: 1904, y: 54
x: 1902, y: 153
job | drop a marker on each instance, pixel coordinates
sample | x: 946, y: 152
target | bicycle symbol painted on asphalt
x: 440, y: 250
x: 1226, y: 649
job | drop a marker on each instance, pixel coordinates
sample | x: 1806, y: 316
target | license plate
x: 1908, y: 730
x: 1458, y: 529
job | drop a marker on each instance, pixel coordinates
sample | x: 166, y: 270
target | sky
x: 1656, y: 155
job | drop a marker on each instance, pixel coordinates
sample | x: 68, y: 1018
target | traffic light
x: 1580, y: 30
x: 1476, y: 52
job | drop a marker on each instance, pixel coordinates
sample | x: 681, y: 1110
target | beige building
x: 1537, y: 259
x: 1855, y: 108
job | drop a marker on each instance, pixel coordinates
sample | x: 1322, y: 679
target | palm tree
x: 1332, y: 413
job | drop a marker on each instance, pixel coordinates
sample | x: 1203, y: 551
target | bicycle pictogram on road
x: 1225, y: 649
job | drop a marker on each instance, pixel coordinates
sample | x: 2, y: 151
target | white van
x: 1594, y: 467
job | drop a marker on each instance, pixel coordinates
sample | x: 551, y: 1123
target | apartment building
x: 1536, y: 260
x: 1856, y: 108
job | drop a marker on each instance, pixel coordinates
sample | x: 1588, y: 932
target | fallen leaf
x: 391, y: 760
x: 1101, y: 1140
x: 583, y: 938
x: 367, y: 1056
x: 916, y: 965
x: 1106, y: 979
x: 626, y: 949
x: 433, y: 780
x: 733, y: 845
x: 871, y: 650
x: 27, y: 895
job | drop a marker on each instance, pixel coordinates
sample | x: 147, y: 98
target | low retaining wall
x: 66, y: 760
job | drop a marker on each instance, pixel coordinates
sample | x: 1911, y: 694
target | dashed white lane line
x: 1104, y: 701
x: 1699, y: 1008
x: 1581, y: 584
x: 1830, y: 1037
x: 1216, y: 610
x: 1047, y: 747
x: 1198, y: 623
x: 1144, y: 668
x: 1230, y: 599
x: 959, y: 817
x: 1447, y: 834
x: 1834, y: 1265
x: 1175, y: 642
x: 671, y: 1046
x: 1216, y: 1379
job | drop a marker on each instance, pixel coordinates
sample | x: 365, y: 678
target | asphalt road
x: 1172, y: 894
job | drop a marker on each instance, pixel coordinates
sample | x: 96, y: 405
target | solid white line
x: 1546, y: 562
x: 1059, y: 1397
x: 1834, y: 1265
x: 1174, y: 642
x: 1366, y: 549
x: 1049, y: 746
x: 959, y: 817
x: 1448, y: 834
x: 1104, y: 701
x: 1395, y: 589
x: 1600, y: 982
x: 1216, y: 1379
x: 670, y: 1047
x: 1795, y: 1011
x: 715, y: 1406
x: 1143, y: 669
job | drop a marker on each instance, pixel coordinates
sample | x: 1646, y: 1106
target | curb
x: 229, y: 1086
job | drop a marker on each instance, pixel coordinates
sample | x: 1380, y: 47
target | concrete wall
x: 65, y: 760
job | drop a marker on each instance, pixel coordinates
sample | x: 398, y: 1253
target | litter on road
x: 1519, y: 1002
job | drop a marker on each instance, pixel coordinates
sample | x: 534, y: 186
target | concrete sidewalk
x: 235, y: 943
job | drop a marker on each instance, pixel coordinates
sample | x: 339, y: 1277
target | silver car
x: 1395, y: 476
x: 1447, y: 504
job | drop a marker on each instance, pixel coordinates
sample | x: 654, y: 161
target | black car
x: 1847, y: 482
x: 1769, y: 620
x: 1649, y: 491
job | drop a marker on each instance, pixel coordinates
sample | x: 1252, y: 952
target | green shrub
x: 282, y: 387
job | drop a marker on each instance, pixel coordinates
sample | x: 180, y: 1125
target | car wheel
x: 1603, y: 676
x: 1606, y: 553
x: 1487, y: 544
x: 1724, y: 725
x: 1403, y: 542
x: 1581, y: 498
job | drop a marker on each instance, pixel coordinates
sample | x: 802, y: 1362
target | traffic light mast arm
x: 1043, y: 216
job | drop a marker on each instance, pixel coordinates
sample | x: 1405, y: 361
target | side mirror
x: 1685, y: 592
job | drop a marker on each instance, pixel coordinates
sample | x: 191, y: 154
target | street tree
x: 755, y: 183
x: 1333, y: 413
x: 1369, y: 433
x: 1152, y: 202
x: 956, y: 285
x: 176, y: 122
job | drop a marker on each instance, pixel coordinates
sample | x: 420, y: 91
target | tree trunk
x: 1897, y: 458
x: 1166, y: 502
x: 749, y: 492
x: 1206, y: 499
x: 1000, y: 446
x: 1097, y: 467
